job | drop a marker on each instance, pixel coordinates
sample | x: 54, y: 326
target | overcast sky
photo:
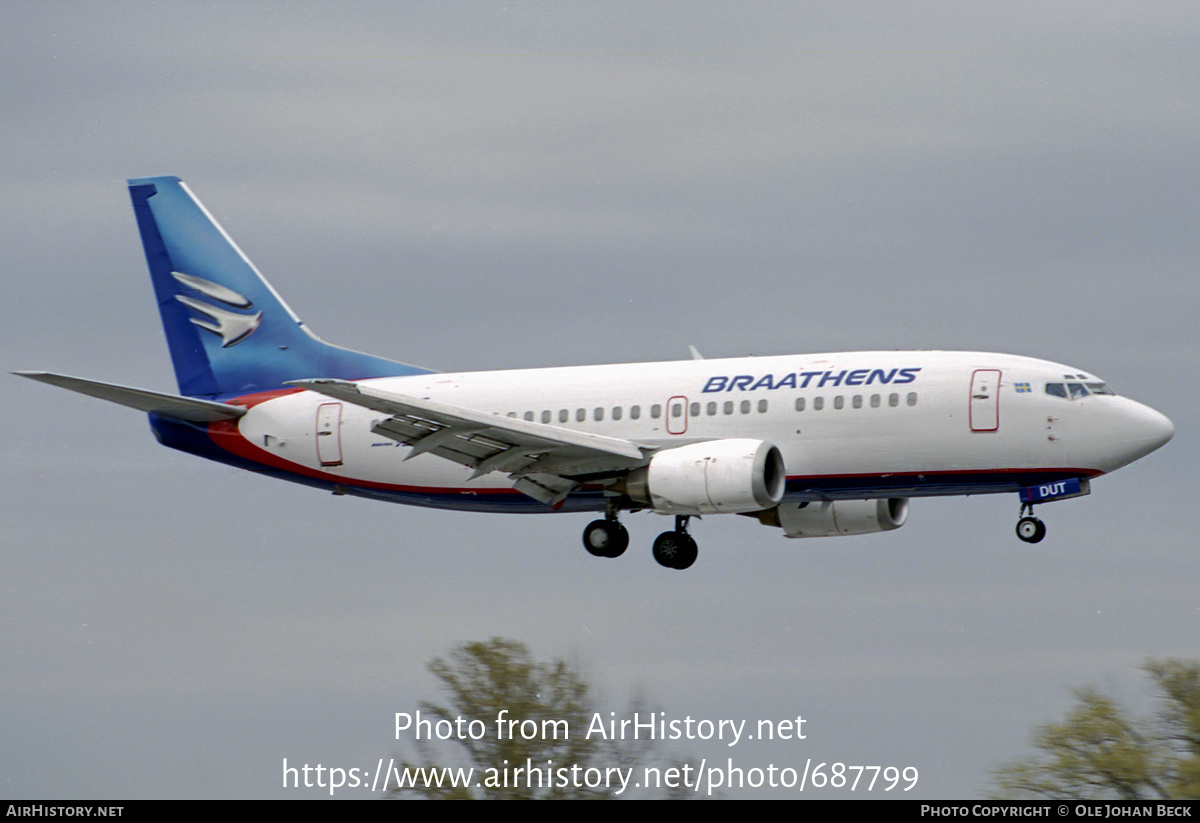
x: 478, y: 185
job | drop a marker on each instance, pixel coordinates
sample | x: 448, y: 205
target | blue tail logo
x: 230, y: 326
x: 229, y: 332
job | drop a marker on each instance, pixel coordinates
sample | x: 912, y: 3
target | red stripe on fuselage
x: 226, y: 435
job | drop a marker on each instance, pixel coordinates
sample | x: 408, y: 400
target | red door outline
x: 674, y: 427
x: 329, y: 434
x: 985, y: 400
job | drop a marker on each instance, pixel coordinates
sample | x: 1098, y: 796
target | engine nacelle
x: 718, y: 476
x: 830, y: 518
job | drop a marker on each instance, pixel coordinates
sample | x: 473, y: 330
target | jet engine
x: 830, y: 518
x: 718, y: 476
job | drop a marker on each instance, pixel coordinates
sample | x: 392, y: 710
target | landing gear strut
x: 676, y: 549
x: 607, y: 537
x: 1029, y: 528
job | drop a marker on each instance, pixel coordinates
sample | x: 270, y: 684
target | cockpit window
x: 1074, y: 391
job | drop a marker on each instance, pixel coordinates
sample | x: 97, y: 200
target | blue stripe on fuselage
x: 194, y: 438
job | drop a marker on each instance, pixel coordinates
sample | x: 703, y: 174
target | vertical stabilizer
x: 227, y: 329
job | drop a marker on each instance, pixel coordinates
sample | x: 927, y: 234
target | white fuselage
x: 854, y: 424
x: 814, y: 444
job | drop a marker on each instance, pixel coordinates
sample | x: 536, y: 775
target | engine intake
x: 715, y: 477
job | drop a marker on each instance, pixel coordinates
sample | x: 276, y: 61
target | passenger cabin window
x: 656, y: 411
x: 598, y: 413
x: 616, y: 413
x: 546, y: 416
x: 635, y: 412
x: 580, y: 415
x: 839, y: 401
x: 563, y: 415
x: 818, y: 403
x: 912, y: 398
x: 762, y: 406
x: 695, y: 410
x: 799, y: 404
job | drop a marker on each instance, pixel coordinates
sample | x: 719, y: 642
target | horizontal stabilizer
x: 163, y: 405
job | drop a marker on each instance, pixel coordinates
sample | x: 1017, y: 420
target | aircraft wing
x: 164, y: 405
x: 546, y: 462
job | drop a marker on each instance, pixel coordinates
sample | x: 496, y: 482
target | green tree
x: 1100, y: 752
x: 550, y: 705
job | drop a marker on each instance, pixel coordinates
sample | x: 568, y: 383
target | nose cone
x: 1159, y: 429
x: 1143, y: 431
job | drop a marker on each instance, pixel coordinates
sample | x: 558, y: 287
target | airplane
x: 815, y: 445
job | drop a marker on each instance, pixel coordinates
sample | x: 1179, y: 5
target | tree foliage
x: 482, y: 679
x: 1100, y: 752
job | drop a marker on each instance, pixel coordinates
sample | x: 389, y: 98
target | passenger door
x: 985, y: 400
x: 329, y: 434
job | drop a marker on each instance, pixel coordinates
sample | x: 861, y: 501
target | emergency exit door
x: 677, y: 415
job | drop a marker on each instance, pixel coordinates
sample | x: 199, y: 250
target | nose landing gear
x: 1029, y: 528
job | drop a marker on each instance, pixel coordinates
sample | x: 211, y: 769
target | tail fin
x: 227, y: 329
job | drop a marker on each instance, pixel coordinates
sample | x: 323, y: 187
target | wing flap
x: 545, y: 488
x: 487, y: 442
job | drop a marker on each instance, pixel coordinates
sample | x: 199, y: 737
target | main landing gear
x: 1029, y: 528
x: 676, y: 549
x: 608, y: 538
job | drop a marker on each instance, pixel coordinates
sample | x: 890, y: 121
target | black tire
x: 1031, y: 530
x: 605, y: 538
x: 689, y: 554
x: 675, y: 550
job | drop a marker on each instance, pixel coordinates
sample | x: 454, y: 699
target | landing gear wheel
x: 605, y: 538
x: 675, y: 550
x: 1031, y: 530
